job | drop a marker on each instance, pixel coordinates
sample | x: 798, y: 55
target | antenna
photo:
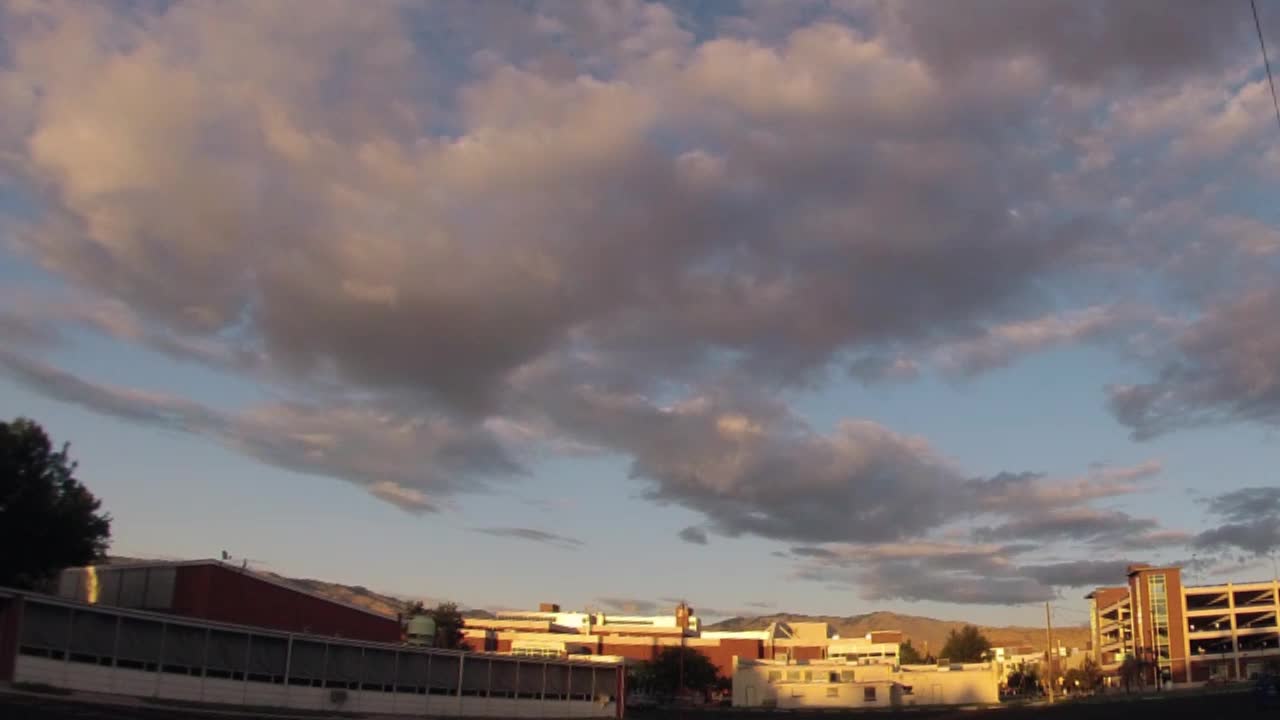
x: 244, y: 562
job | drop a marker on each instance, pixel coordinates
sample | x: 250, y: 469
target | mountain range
x: 926, y: 634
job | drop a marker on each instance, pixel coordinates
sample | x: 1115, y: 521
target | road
x: 1197, y: 707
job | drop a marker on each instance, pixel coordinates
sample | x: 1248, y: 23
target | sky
x: 950, y: 309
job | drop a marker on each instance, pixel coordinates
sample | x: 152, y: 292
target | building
x: 99, y: 648
x: 550, y: 632
x: 839, y: 683
x: 218, y: 591
x: 1187, y: 634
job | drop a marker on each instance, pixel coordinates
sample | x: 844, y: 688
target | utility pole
x: 1048, y: 650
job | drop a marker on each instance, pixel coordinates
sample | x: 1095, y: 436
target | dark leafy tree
x: 675, y: 669
x: 448, y: 625
x: 1135, y: 672
x: 48, y: 519
x: 967, y: 644
x: 1025, y: 679
x: 909, y: 655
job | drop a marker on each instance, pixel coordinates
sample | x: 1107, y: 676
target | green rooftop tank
x: 421, y: 631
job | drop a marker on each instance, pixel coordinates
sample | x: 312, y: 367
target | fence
x: 58, y: 640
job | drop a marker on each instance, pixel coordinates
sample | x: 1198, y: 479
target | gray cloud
x: 595, y: 230
x: 152, y: 409
x: 694, y: 535
x: 1251, y: 518
x: 1224, y: 371
x: 1078, y: 573
x: 1138, y: 42
x: 628, y: 605
x: 1260, y: 536
x: 898, y: 580
x: 533, y: 535
x: 1246, y: 504
x: 405, y: 461
x: 1081, y: 524
x: 815, y: 552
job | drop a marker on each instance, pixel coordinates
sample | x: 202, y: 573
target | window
x: 846, y: 676
x: 793, y: 676
x: 808, y: 676
x: 833, y: 692
x: 868, y: 694
x: 774, y: 676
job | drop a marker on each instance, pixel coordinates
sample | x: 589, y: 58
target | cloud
x: 1078, y: 573
x: 814, y: 552
x: 999, y: 345
x: 1225, y: 370
x: 1261, y: 536
x: 1246, y: 504
x: 953, y: 572
x: 1141, y: 43
x: 1077, y: 524
x: 398, y: 459
x: 532, y: 535
x: 694, y: 535
x: 630, y: 606
x: 1251, y: 521
x: 448, y: 237
x: 1029, y: 492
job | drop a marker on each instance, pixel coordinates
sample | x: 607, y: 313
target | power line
x: 1257, y: 24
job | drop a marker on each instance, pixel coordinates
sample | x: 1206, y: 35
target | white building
x: 841, y: 683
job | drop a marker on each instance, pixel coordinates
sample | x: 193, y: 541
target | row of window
x: 807, y: 676
x: 102, y: 638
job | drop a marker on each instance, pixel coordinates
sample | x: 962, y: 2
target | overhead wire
x: 1257, y: 24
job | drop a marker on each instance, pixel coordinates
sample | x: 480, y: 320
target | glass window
x: 833, y: 692
x: 774, y: 676
x: 868, y: 694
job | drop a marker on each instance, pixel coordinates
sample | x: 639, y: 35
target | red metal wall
x: 214, y: 592
x: 722, y: 654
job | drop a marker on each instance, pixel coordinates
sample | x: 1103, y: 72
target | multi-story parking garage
x: 1197, y: 633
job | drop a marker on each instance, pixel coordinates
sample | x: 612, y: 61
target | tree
x: 448, y: 625
x: 48, y: 519
x: 908, y: 655
x: 968, y: 644
x: 1135, y: 671
x: 1025, y: 679
x: 675, y: 669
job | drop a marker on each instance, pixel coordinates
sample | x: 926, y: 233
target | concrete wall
x: 949, y: 687
x: 122, y: 681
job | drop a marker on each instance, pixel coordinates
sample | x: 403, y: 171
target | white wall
x: 140, y: 683
x: 973, y: 685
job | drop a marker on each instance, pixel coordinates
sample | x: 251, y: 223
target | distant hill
x: 921, y: 630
